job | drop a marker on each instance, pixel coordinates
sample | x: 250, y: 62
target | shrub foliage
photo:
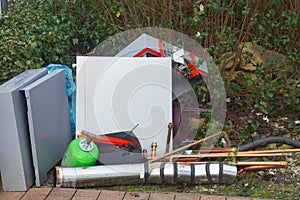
x: 37, y: 33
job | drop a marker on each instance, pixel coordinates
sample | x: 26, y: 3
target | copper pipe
x: 185, y: 147
x: 145, y: 153
x: 222, y: 155
x: 261, y: 163
x: 223, y: 150
x: 282, y: 164
x: 205, y: 150
x: 272, y: 151
x: 260, y: 167
x: 170, y: 127
x: 215, y: 150
x: 153, y: 149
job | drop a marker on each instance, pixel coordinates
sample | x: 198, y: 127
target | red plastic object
x: 110, y: 140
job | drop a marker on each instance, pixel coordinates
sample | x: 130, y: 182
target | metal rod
x: 153, y: 149
x: 223, y: 150
x: 145, y: 153
x: 242, y: 163
x: 272, y: 151
x: 222, y: 155
x: 185, y: 147
x: 90, y: 135
x: 260, y: 167
x: 170, y: 127
x: 263, y: 163
x: 134, y: 127
x: 215, y: 150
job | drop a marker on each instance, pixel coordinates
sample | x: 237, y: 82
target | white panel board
x: 115, y: 94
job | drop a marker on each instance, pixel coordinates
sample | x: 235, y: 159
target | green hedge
x: 37, y: 33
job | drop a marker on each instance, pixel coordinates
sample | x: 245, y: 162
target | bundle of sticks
x: 228, y: 155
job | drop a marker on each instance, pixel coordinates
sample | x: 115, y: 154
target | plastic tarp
x: 71, y: 87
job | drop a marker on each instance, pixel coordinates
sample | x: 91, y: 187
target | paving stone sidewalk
x: 82, y: 194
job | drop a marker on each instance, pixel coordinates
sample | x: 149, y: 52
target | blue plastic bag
x: 71, y: 87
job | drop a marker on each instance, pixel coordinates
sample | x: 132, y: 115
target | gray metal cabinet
x: 48, y: 119
x: 15, y: 153
x: 35, y: 127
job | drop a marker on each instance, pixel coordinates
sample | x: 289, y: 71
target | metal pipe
x: 221, y: 155
x: 270, y: 140
x: 215, y: 150
x: 152, y: 173
x: 283, y: 164
x: 102, y: 175
x: 170, y: 127
x: 271, y: 151
x: 156, y: 159
x: 260, y: 167
x: 153, y: 149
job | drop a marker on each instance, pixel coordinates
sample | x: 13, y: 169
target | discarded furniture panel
x: 15, y: 152
x: 34, y: 120
x: 48, y: 119
x: 116, y: 93
x: 188, y: 71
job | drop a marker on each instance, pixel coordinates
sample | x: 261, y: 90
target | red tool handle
x: 109, y: 140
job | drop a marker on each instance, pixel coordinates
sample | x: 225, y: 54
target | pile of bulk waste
x: 118, y: 158
x: 125, y: 163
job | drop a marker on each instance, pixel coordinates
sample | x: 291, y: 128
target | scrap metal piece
x: 170, y: 127
x: 189, y: 69
x: 153, y: 149
x: 155, y: 173
x: 15, y: 154
x: 49, y: 122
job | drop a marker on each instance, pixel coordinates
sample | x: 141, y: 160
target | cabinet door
x: 115, y: 94
x: 49, y: 122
